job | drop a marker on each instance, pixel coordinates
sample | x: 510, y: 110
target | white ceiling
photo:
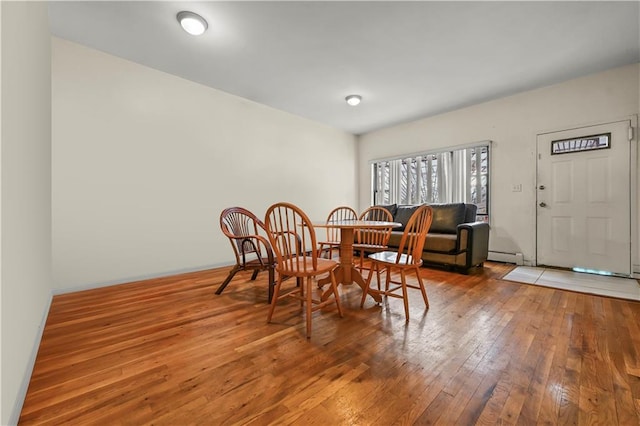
x: 407, y: 59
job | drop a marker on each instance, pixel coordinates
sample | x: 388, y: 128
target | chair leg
x: 254, y: 275
x: 368, y: 283
x: 387, y: 279
x: 228, y: 279
x: 309, y: 306
x: 422, y: 288
x: 378, y: 276
x: 334, y: 284
x: 405, y: 299
x: 274, y: 300
x: 272, y: 283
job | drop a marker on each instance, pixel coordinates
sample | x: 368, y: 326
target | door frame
x: 634, y: 185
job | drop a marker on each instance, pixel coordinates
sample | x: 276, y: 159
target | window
x: 585, y: 143
x: 456, y: 175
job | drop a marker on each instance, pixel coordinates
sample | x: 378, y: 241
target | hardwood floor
x: 170, y: 352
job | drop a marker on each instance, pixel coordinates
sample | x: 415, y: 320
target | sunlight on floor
x: 623, y: 288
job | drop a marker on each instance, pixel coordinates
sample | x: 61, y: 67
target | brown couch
x: 455, y: 239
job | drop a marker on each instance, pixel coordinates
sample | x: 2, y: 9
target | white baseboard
x: 126, y: 280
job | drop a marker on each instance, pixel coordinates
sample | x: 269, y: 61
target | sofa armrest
x: 474, y: 239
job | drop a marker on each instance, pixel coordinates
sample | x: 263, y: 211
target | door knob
x: 541, y: 187
x: 543, y: 204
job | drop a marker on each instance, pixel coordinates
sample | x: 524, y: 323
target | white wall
x: 144, y: 162
x: 512, y: 123
x: 25, y: 194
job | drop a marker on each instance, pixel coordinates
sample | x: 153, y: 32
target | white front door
x: 583, y: 199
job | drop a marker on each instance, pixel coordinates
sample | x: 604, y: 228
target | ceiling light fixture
x: 353, y: 100
x: 192, y: 23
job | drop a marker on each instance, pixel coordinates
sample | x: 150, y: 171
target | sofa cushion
x: 470, y: 213
x: 403, y: 214
x: 447, y: 217
x: 443, y: 243
x: 391, y: 207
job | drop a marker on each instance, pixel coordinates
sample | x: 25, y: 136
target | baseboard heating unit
x: 497, y: 256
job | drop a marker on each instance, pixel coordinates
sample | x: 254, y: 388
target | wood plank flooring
x: 170, y: 352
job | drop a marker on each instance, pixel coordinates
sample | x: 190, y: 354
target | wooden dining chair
x: 333, y: 234
x: 407, y: 258
x: 293, y: 239
x: 372, y: 240
x: 252, y: 251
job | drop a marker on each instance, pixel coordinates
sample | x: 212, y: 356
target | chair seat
x: 323, y: 265
x: 370, y: 247
x: 258, y: 263
x: 329, y: 243
x: 390, y: 257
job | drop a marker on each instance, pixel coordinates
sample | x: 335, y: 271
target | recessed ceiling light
x: 353, y: 100
x: 192, y: 23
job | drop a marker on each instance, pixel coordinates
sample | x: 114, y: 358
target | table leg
x: 346, y: 273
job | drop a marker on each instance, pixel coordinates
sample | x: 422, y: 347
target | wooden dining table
x: 346, y: 272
